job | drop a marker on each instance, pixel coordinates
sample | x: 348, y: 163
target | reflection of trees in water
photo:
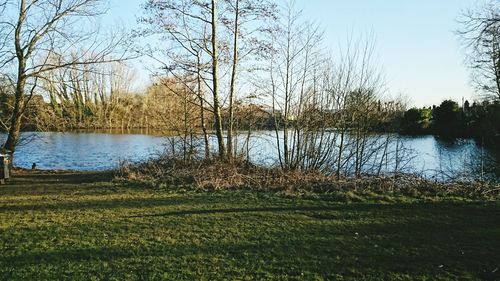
x: 335, y: 152
x: 463, y: 159
x: 389, y: 154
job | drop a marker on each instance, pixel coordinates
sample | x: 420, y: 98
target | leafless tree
x: 3, y: 29
x: 326, y: 110
x: 246, y: 21
x: 203, y: 42
x: 291, y: 77
x: 6, y: 101
x: 480, y: 33
x: 91, y: 96
x: 214, y: 54
x: 174, y: 111
x: 42, y: 36
x: 190, y: 29
x: 357, y: 89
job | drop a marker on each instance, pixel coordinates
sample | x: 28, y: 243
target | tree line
x: 479, y: 120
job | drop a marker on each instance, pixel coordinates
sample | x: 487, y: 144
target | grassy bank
x: 86, y: 227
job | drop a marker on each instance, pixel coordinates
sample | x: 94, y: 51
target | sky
x: 420, y: 55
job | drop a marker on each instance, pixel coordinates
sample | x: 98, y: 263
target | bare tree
x: 247, y: 25
x: 6, y: 101
x: 291, y: 73
x: 3, y: 28
x: 186, y: 59
x: 203, y: 38
x: 44, y: 36
x: 215, y: 79
x: 338, y: 114
x: 191, y: 29
x: 91, y: 96
x: 481, y: 34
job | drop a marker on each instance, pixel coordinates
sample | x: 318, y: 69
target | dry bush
x: 215, y: 175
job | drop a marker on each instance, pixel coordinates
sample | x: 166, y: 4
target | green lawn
x: 84, y: 227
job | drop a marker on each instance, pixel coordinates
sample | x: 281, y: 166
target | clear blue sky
x: 416, y: 45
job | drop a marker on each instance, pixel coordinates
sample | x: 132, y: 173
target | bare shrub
x: 206, y: 175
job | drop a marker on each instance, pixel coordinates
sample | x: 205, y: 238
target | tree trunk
x: 19, y: 106
x: 217, y: 111
x: 17, y: 114
x: 202, y: 110
x: 233, y: 84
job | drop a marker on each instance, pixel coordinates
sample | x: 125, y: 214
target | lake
x: 101, y: 151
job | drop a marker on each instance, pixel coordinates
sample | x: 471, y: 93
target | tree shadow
x: 110, y: 204
x: 408, y: 247
x: 394, y: 208
x: 238, y: 210
x: 46, y: 177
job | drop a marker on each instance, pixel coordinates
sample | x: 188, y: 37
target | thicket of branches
x: 480, y: 33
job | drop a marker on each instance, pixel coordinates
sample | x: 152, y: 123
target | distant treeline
x: 106, y: 101
x: 162, y: 108
x: 449, y: 120
x: 166, y: 107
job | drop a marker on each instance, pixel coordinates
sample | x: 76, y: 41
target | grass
x: 86, y: 227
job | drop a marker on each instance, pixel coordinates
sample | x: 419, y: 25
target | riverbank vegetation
x: 175, y: 174
x: 84, y: 226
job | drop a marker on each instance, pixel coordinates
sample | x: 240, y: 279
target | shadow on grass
x: 357, y: 207
x: 131, y: 203
x: 239, y: 210
x: 45, y: 177
x: 60, y: 183
x: 421, y: 246
x: 196, y: 206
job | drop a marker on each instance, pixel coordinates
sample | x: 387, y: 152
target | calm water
x: 84, y: 151
x: 101, y: 151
